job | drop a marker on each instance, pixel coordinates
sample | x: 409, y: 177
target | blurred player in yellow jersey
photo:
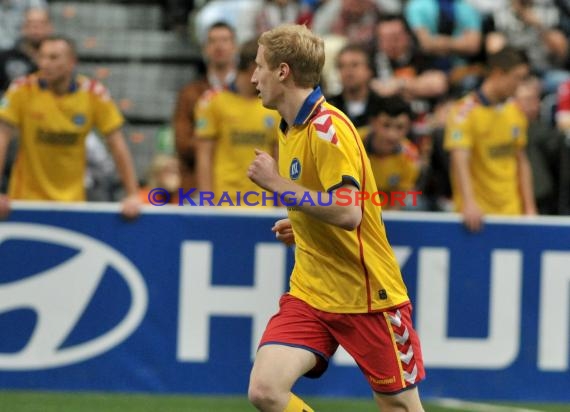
x: 230, y: 124
x: 54, y: 110
x: 486, y: 134
x: 394, y: 159
x: 346, y: 287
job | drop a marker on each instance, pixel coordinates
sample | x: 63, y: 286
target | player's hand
x: 530, y: 210
x: 472, y: 217
x: 5, y: 206
x: 284, y: 231
x: 131, y: 207
x: 263, y: 170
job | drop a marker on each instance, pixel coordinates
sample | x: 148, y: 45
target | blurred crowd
x: 435, y: 88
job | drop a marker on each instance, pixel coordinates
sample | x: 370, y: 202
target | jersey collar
x: 482, y: 97
x: 73, y: 86
x: 310, y: 105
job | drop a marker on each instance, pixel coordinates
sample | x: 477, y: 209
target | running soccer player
x: 346, y: 287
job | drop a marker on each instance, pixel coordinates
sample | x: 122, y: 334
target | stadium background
x: 127, y: 47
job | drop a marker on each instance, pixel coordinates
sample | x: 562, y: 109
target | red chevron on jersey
x: 325, y: 129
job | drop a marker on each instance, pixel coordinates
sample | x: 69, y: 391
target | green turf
x: 90, y: 402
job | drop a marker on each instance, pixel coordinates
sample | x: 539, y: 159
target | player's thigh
x: 385, y: 346
x: 298, y: 325
x: 405, y: 401
x: 280, y: 366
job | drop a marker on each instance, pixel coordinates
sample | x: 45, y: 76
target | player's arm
x: 343, y: 211
x: 431, y: 83
x: 126, y: 169
x: 183, y: 122
x: 204, y: 164
x: 472, y: 214
x: 5, y: 136
x: 524, y: 174
x: 207, y: 131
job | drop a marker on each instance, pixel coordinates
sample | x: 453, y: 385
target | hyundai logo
x: 60, y: 295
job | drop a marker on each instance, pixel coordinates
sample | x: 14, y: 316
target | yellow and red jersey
x: 493, y: 134
x: 336, y: 270
x: 51, y: 159
x: 238, y: 125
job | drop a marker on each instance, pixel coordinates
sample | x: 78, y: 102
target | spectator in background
x: 219, y: 52
x: 307, y: 10
x: 357, y: 98
x: 230, y: 126
x: 394, y: 159
x: 533, y: 27
x: 450, y: 31
x: 353, y: 19
x: 54, y: 110
x: 163, y: 173
x: 276, y: 12
x: 12, y: 13
x: 401, y: 67
x: 543, y: 148
x: 486, y: 136
x: 342, y: 22
x: 22, y: 59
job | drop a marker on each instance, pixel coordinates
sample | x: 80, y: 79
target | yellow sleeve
x: 457, y: 129
x: 336, y: 151
x: 107, y: 117
x: 206, y: 124
x: 11, y: 104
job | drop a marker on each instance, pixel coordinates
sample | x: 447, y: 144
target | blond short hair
x: 299, y: 48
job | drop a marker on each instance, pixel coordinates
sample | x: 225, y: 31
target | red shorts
x: 384, y: 344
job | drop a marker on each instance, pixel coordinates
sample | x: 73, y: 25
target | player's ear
x: 284, y: 71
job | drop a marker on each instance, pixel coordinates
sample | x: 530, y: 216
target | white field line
x: 465, y: 406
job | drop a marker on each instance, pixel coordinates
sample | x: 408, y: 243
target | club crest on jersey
x: 516, y: 132
x: 269, y: 121
x: 394, y: 180
x: 295, y: 169
x: 79, y: 120
x: 3, y: 102
x: 325, y: 129
x: 201, y: 123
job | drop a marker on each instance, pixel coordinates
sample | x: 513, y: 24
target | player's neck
x: 60, y: 86
x: 292, y: 102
